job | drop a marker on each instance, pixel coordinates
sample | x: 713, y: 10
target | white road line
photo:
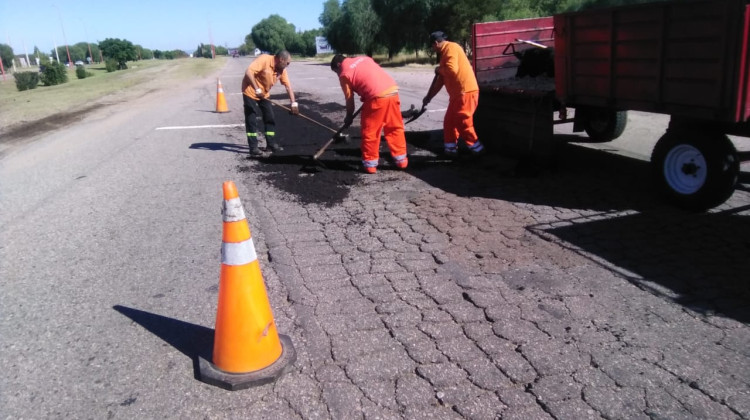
x: 190, y: 127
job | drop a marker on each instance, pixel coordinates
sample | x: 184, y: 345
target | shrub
x: 81, y: 72
x: 26, y: 80
x: 54, y: 74
x: 111, y: 65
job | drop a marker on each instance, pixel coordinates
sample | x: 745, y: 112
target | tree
x: 273, y: 34
x: 364, y: 24
x: 331, y: 12
x: 6, y: 54
x: 455, y: 17
x: 403, y: 23
x: 146, y: 54
x: 248, y: 47
x: 43, y: 58
x: 119, y: 49
x: 334, y: 28
x: 574, y: 5
x: 203, y: 50
x: 352, y: 29
x: 307, y: 39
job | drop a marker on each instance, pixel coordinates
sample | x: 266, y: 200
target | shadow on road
x: 607, y: 210
x: 192, y: 340
x: 604, y: 207
x: 225, y: 147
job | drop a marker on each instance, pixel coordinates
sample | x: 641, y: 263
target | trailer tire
x: 695, y: 170
x: 603, y: 124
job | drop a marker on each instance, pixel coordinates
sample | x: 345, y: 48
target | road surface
x: 468, y: 289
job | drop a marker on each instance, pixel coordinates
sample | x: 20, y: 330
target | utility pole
x: 13, y: 60
x: 25, y: 51
x: 211, y: 40
x: 85, y: 32
x: 57, y: 54
x: 64, y: 38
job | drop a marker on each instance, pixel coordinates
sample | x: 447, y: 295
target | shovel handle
x: 331, y: 140
x: 304, y: 116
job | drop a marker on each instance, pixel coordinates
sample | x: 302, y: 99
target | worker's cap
x: 438, y: 36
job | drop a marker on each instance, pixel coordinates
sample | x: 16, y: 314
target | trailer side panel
x: 494, y: 42
x: 681, y: 58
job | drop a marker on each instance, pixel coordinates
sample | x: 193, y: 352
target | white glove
x: 259, y: 91
x: 295, y: 108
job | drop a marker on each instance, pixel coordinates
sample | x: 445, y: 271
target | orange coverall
x: 381, y: 109
x: 457, y: 75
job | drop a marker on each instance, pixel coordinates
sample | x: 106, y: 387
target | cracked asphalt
x: 467, y: 289
x: 476, y: 290
x: 412, y: 301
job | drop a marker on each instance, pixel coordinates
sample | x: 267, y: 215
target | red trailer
x: 687, y: 59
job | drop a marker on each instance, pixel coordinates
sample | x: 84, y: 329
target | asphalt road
x: 467, y: 289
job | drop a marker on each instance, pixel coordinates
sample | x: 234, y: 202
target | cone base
x: 212, y: 375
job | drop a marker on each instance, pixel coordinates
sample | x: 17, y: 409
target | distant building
x: 322, y: 46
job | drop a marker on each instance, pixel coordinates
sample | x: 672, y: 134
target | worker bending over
x: 456, y: 74
x: 260, y: 77
x: 381, y: 108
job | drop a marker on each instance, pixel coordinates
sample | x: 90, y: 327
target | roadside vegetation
x: 394, y: 32
x: 394, y: 27
x: 19, y: 107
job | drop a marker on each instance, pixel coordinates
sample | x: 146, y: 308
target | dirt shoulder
x: 29, y: 114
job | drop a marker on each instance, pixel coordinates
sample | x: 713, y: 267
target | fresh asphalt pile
x: 326, y: 180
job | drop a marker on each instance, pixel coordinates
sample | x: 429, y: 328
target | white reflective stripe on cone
x: 239, y: 253
x: 233, y: 211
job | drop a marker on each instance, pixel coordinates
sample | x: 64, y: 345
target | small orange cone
x: 248, y: 350
x: 221, y: 101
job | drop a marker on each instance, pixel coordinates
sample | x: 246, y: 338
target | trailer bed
x: 686, y: 58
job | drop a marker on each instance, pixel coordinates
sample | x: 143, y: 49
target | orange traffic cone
x: 248, y: 350
x: 221, y: 101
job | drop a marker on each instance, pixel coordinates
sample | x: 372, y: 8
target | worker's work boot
x: 252, y: 145
x: 403, y: 163
x: 370, y: 170
x: 273, y: 145
x: 477, y: 149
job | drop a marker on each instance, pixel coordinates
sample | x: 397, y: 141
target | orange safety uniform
x: 463, y: 92
x: 264, y: 70
x: 381, y: 109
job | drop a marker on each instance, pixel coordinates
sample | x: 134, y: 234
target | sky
x: 156, y: 24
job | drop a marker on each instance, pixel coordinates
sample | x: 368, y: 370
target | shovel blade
x: 417, y: 115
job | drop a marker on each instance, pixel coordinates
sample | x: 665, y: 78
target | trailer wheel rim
x: 685, y: 169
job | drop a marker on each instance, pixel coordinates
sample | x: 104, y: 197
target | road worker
x: 260, y: 76
x: 381, y: 108
x: 456, y: 74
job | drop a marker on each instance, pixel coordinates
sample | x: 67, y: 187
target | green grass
x: 30, y: 105
x: 400, y: 60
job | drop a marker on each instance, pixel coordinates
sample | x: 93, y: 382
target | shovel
x: 332, y: 139
x: 424, y: 106
x: 417, y: 114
